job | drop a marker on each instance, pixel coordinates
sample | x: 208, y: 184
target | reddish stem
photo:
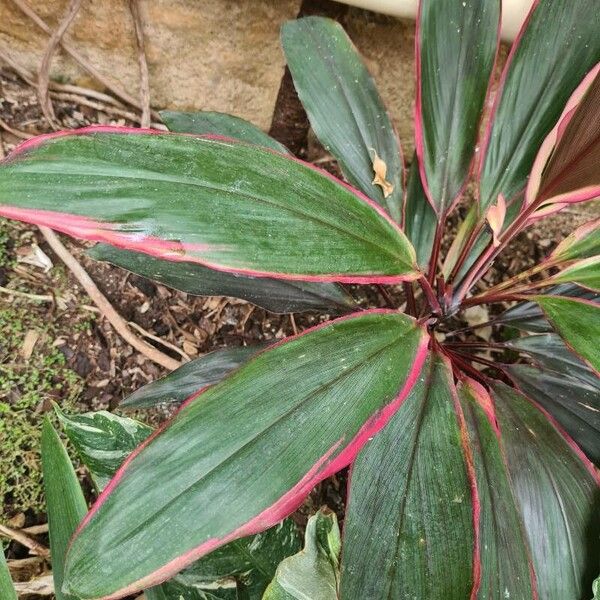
x: 430, y: 296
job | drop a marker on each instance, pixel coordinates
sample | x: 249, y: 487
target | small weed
x: 26, y: 388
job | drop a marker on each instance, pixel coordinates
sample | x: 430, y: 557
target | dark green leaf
x: 558, y: 47
x: 216, y: 123
x: 245, y: 453
x: 409, y: 524
x: 529, y: 317
x: 504, y: 554
x: 557, y: 493
x: 276, y: 295
x: 420, y: 220
x: 191, y: 377
x: 343, y: 106
x: 225, y: 204
x: 314, y: 572
x: 7, y: 590
x: 65, y: 503
x: 456, y: 46
x: 573, y: 403
x: 548, y: 351
x: 103, y: 440
x: 577, y: 322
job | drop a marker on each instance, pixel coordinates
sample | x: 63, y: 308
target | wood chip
x: 31, y: 338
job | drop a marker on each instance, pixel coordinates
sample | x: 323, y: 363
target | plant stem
x: 435, y: 253
x: 411, y: 305
x: 491, y: 298
x: 430, y: 296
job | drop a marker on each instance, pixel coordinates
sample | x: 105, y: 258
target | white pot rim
x: 514, y: 12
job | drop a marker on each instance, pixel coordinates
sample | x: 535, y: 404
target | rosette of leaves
x: 471, y: 477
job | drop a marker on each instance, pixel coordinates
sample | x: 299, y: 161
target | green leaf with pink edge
x: 585, y: 273
x: 419, y: 544
x: 344, y: 107
x: 506, y: 569
x: 533, y: 91
x: 584, y: 242
x: 557, y: 491
x: 456, y: 46
x: 104, y: 440
x: 244, y: 454
x: 225, y: 204
x: 577, y: 322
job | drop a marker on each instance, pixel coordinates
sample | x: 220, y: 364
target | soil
x: 108, y: 369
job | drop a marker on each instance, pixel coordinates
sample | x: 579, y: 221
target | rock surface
x: 222, y: 55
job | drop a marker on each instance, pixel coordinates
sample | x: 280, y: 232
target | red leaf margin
x: 294, y: 497
x: 96, y: 231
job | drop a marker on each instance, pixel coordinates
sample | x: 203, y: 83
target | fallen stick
x: 24, y: 540
x: 104, y: 305
x: 44, y: 70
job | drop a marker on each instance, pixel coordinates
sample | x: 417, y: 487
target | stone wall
x: 213, y: 55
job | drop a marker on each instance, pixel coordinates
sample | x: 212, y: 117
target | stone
x: 222, y: 55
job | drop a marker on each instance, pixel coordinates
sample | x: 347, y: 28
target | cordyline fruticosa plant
x: 465, y: 483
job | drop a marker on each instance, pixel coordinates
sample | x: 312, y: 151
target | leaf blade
x: 556, y: 491
x: 312, y: 573
x: 7, y: 589
x: 178, y: 386
x: 456, y: 47
x: 506, y: 570
x: 343, y: 105
x: 533, y: 91
x: 225, y: 204
x: 393, y: 521
x: 65, y: 503
x: 577, y: 322
x: 207, y: 122
x: 275, y: 295
x: 256, y: 421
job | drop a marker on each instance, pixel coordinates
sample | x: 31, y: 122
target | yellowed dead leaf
x: 31, y: 338
x: 380, y: 170
x: 495, y: 217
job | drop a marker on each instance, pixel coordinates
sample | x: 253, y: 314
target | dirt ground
x: 56, y: 347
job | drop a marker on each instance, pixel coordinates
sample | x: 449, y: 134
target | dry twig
x: 23, y: 135
x: 26, y: 8
x: 104, y: 305
x: 134, y: 7
x: 44, y: 70
x: 25, y: 540
x: 165, y: 343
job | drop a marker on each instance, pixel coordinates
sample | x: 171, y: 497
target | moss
x: 26, y: 388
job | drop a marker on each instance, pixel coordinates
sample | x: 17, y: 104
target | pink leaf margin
x: 418, y: 114
x: 327, y: 465
x: 96, y: 231
x: 487, y: 136
x: 483, y: 398
x: 548, y: 145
